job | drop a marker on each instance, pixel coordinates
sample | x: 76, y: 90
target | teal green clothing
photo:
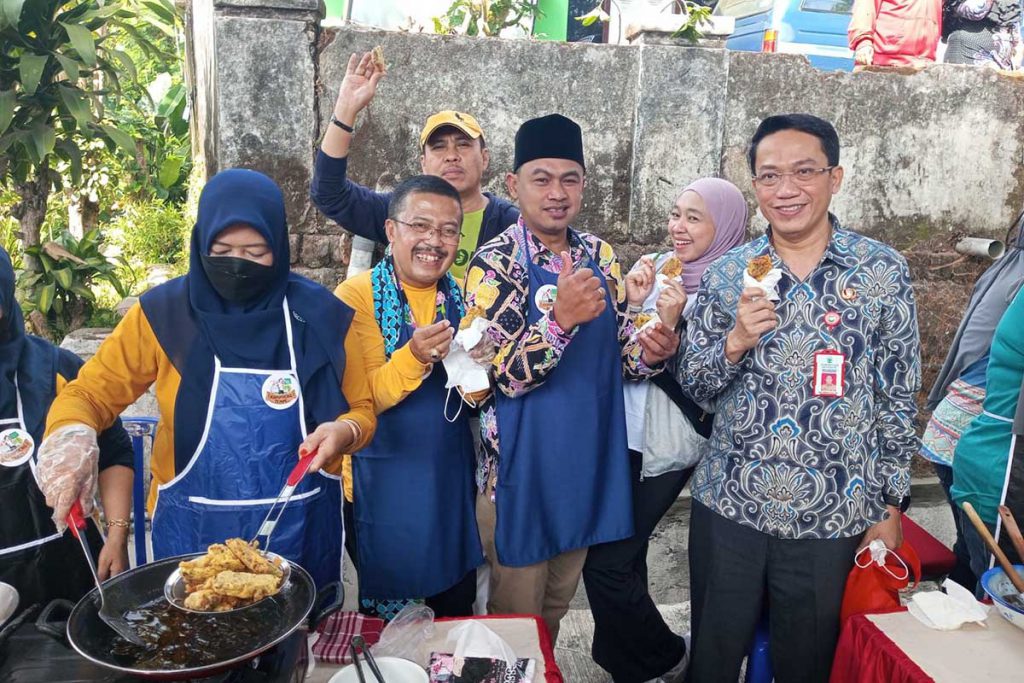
x: 979, y: 467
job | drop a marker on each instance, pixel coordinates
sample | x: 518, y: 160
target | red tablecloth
x: 525, y: 633
x: 866, y: 655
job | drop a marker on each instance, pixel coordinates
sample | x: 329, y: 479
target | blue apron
x: 414, y: 496
x: 563, y: 470
x: 254, y: 425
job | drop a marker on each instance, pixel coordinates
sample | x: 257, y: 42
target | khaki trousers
x: 544, y: 589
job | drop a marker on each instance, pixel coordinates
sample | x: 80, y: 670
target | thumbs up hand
x: 581, y: 295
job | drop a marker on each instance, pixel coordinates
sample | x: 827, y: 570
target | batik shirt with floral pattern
x: 498, y: 282
x: 780, y: 459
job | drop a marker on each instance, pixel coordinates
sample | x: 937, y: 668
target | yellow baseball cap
x: 464, y: 122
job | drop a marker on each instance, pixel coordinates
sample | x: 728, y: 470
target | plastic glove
x: 68, y: 470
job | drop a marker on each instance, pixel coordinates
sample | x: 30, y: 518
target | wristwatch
x: 901, y: 503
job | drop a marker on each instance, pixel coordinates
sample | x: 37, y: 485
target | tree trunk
x: 83, y: 213
x: 31, y: 211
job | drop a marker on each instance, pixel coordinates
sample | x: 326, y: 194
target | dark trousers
x: 962, y: 572
x: 456, y: 601
x: 631, y: 640
x: 736, y: 571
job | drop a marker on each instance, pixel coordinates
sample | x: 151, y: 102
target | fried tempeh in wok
x: 211, y: 601
x: 246, y: 585
x: 250, y: 556
x: 232, y: 574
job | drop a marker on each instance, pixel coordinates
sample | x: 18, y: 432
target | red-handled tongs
x: 296, y: 475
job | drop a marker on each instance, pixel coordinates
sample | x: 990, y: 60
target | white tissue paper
x: 473, y: 639
x: 8, y: 602
x: 767, y: 284
x: 462, y: 370
x: 947, y: 611
x: 660, y: 283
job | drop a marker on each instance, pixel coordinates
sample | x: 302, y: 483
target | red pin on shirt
x: 832, y: 320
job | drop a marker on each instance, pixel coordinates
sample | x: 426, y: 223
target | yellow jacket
x: 131, y: 359
x: 390, y: 380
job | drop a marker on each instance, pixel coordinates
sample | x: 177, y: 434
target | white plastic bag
x: 407, y: 635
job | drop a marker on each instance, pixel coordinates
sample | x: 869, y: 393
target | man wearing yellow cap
x: 451, y: 146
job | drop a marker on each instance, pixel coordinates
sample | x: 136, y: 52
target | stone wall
x: 927, y: 155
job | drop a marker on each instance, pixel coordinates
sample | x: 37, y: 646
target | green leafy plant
x: 693, y: 14
x: 62, y: 73
x: 487, y: 18
x: 59, y: 298
x: 151, y: 232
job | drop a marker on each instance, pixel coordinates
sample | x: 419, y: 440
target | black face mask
x: 237, y: 280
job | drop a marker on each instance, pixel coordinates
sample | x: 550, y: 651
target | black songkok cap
x: 549, y: 137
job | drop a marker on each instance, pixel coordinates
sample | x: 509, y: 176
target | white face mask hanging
x: 465, y: 374
x: 879, y: 553
x: 462, y: 402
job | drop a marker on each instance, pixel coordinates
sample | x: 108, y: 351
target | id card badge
x: 828, y: 373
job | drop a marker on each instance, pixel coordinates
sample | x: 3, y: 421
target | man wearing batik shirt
x: 810, y: 453
x: 554, y: 474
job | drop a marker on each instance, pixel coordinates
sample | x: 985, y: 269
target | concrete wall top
x: 501, y: 83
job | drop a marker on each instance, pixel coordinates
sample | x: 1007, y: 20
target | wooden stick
x: 1012, y: 530
x: 1004, y: 562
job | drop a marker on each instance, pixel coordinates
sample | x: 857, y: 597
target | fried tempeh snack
x: 232, y: 574
x: 245, y: 585
x: 672, y: 267
x: 472, y: 313
x: 217, y: 559
x: 377, y: 55
x: 759, y: 266
x: 250, y: 556
x: 210, y: 601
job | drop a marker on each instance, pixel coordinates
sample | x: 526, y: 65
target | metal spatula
x: 76, y: 522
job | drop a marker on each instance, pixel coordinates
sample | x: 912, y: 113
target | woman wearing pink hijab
x: 665, y: 431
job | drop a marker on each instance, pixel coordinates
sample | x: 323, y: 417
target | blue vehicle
x: 815, y: 28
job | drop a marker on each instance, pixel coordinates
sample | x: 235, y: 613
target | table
x: 897, y: 648
x: 526, y: 635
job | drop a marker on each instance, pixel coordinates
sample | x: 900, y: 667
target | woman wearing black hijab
x: 248, y: 363
x: 40, y: 562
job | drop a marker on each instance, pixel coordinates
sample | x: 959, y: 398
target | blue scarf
x: 391, y: 309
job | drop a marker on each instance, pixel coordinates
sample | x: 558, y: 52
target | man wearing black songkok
x: 553, y: 477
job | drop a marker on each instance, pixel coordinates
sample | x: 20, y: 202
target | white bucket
x: 394, y: 670
x: 8, y: 601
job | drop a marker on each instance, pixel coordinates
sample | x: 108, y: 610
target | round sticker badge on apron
x: 280, y: 390
x: 16, y: 446
x: 545, y: 297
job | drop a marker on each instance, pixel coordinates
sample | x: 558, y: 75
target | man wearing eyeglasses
x: 809, y: 458
x: 410, y: 494
x: 452, y: 147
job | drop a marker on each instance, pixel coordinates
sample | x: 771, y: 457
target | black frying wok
x: 187, y: 645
